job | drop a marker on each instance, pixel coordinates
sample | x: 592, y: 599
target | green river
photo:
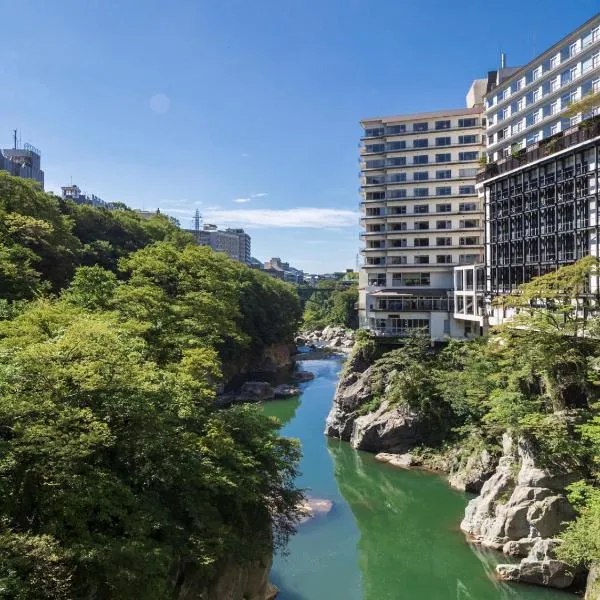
x: 392, y: 534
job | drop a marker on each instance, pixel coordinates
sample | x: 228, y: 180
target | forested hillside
x: 118, y: 477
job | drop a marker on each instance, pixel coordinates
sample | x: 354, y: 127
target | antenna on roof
x: 502, y: 60
x: 15, y: 138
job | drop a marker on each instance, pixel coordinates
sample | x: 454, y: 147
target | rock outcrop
x: 235, y: 582
x: 339, y: 339
x: 469, y: 473
x: 404, y: 461
x: 519, y: 502
x: 394, y: 429
x: 540, y: 567
x: 285, y: 391
x: 592, y: 589
x: 256, y: 391
x: 521, y: 511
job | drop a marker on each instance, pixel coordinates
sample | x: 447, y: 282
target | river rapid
x: 392, y: 534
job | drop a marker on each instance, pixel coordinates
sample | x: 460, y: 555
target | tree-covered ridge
x: 535, y: 377
x: 118, y: 477
x: 332, y: 308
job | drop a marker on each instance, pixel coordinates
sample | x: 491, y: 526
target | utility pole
x: 15, y: 138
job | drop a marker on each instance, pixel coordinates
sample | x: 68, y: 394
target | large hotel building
x: 421, y: 216
x: 459, y: 206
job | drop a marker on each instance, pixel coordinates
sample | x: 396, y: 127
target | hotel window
x: 443, y: 241
x: 554, y: 84
x: 373, y: 148
x: 443, y: 208
x: 421, y: 143
x: 554, y: 62
x: 420, y: 175
x: 469, y: 241
x: 532, y: 138
x: 377, y: 279
x: 573, y: 73
x: 421, y: 260
x: 415, y: 279
x: 467, y: 139
x: 467, y: 122
x: 469, y: 223
x: 395, y: 129
x: 554, y: 107
x: 443, y: 259
x: 443, y: 191
x: 554, y: 129
x: 443, y: 157
x: 420, y: 126
x: 396, y: 177
x: 375, y: 132
x: 446, y: 174
x: 395, y: 194
x: 467, y: 172
x: 420, y: 159
x: 466, y: 189
x: 421, y: 209
x: 467, y: 206
x: 421, y: 225
x: 443, y: 224
x: 396, y: 210
x: 443, y: 141
x: 468, y: 155
x: 392, y: 146
x: 421, y: 242
x: 396, y: 161
x: 535, y: 96
x: 375, y: 164
x: 420, y: 192
x: 536, y: 73
x: 442, y: 124
x: 573, y: 49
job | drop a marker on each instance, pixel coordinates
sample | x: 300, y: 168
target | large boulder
x: 403, y: 461
x: 521, y: 506
x: 540, y: 567
x: 390, y: 428
x: 285, y: 391
x: 256, y: 391
x: 302, y: 376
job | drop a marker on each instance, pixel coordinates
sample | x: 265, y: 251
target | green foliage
x: 582, y: 537
x: 335, y: 308
x: 117, y: 473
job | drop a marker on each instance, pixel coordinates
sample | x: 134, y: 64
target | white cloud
x: 313, y: 218
x: 241, y: 200
x: 259, y: 195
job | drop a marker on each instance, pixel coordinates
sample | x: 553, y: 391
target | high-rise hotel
x: 541, y: 181
x: 443, y: 233
x: 421, y: 216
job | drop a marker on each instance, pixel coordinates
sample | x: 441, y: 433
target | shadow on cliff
x: 284, y: 593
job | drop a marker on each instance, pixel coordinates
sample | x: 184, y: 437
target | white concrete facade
x: 421, y: 216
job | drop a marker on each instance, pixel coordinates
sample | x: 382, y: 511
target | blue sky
x: 246, y: 109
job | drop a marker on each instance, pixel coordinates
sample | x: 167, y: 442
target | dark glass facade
x: 541, y: 216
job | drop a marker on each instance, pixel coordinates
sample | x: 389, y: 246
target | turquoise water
x: 392, y: 534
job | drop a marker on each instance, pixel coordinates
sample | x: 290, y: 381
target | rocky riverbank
x: 338, y: 339
x: 521, y: 508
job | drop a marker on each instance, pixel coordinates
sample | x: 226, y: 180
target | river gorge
x: 391, y: 534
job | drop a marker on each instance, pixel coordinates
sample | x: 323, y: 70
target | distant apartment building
x: 236, y: 243
x: 540, y: 186
x: 23, y: 162
x: 282, y: 270
x: 73, y: 192
x: 421, y: 216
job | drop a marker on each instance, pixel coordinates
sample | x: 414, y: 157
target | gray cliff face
x: 235, y: 582
x: 388, y: 428
x: 592, y: 590
x: 521, y: 510
x: 470, y: 474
